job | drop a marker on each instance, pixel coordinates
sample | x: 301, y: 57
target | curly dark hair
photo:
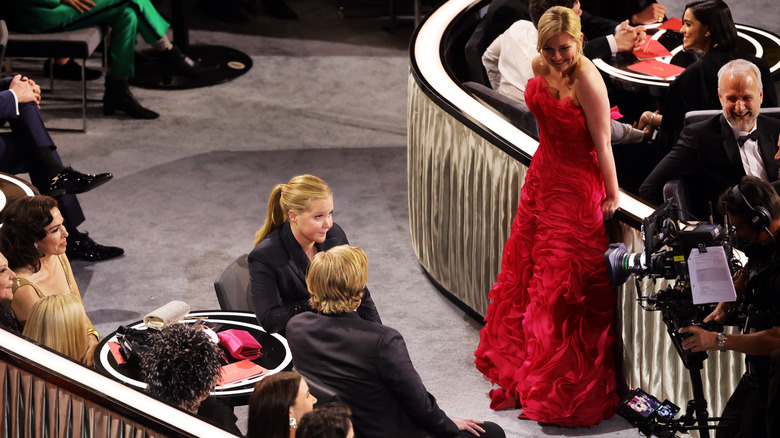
x: 181, y: 366
x: 328, y: 421
x: 24, y: 223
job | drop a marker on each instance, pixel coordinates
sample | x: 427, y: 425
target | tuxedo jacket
x: 277, y: 273
x: 697, y: 89
x: 368, y: 365
x: 707, y: 159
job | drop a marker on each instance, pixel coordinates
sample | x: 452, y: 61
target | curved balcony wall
x: 466, y: 165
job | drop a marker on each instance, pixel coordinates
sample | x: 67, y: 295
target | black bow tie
x: 743, y: 138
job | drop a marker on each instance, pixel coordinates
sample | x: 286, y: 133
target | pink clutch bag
x: 240, y: 344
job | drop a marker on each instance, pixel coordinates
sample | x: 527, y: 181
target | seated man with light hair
x: 713, y: 155
x: 366, y: 363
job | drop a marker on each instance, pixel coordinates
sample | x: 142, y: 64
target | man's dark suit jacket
x: 368, y: 365
x: 707, y: 158
x: 697, y: 89
x: 277, y: 271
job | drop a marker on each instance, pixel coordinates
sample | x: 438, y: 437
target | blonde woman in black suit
x: 299, y: 224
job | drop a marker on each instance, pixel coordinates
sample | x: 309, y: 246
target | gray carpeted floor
x: 190, y: 189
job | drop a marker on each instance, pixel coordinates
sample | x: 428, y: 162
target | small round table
x: 276, y: 353
x: 752, y: 41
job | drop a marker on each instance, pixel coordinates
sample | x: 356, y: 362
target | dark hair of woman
x: 269, y: 405
x: 24, y: 223
x: 716, y: 15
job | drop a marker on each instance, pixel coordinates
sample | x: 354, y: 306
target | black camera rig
x: 667, y: 243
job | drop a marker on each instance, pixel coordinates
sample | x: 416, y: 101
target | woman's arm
x: 92, y: 334
x: 591, y: 92
x: 367, y: 309
x: 271, y: 309
x: 24, y: 299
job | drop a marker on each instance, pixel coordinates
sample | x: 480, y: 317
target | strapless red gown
x: 548, y: 342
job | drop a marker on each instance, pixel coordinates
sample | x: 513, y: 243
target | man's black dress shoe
x: 82, y: 247
x: 118, y: 97
x: 72, y: 181
x: 70, y: 71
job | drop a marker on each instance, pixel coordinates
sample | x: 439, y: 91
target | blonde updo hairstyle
x: 297, y: 196
x: 559, y: 19
x: 60, y: 323
x: 336, y: 279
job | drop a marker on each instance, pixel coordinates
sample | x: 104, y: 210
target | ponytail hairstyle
x: 297, y: 196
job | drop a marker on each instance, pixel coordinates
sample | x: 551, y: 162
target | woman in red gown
x: 548, y: 341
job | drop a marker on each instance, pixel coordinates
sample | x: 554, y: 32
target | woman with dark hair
x: 708, y: 32
x: 278, y: 404
x: 298, y: 225
x: 34, y: 239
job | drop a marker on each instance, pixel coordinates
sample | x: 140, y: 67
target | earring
x: 293, y: 423
x: 707, y: 34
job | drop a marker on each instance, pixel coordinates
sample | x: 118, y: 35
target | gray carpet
x: 190, y: 189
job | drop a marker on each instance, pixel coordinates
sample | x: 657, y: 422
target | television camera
x: 667, y: 244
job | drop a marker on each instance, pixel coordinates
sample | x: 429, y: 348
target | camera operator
x: 753, y: 209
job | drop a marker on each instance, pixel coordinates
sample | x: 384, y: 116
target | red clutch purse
x: 240, y: 344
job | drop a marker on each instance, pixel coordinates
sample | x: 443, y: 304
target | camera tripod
x: 696, y: 416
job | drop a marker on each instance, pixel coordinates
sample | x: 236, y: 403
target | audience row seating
x: 77, y: 44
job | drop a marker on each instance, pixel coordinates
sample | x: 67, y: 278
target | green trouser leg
x: 127, y: 18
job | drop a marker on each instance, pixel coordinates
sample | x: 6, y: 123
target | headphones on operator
x: 758, y: 217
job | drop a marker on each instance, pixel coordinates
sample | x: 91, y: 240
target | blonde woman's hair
x: 336, y: 279
x: 297, y: 196
x: 59, y: 322
x: 559, y: 19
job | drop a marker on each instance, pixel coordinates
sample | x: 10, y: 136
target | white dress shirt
x: 751, y: 155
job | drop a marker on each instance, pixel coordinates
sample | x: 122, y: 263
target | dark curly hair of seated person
x: 182, y: 366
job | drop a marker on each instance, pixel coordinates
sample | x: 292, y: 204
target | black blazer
x: 697, y: 89
x: 707, y: 158
x: 368, y: 365
x: 277, y: 272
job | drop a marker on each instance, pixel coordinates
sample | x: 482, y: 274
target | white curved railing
x: 465, y: 168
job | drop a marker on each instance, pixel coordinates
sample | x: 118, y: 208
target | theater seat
x: 517, y: 114
x: 232, y: 287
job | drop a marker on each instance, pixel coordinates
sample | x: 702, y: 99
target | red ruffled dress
x: 548, y: 342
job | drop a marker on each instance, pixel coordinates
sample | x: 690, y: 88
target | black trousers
x: 747, y: 408
x: 19, y: 153
x: 773, y: 398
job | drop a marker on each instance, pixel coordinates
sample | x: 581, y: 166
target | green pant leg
x: 125, y: 17
x: 151, y: 25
